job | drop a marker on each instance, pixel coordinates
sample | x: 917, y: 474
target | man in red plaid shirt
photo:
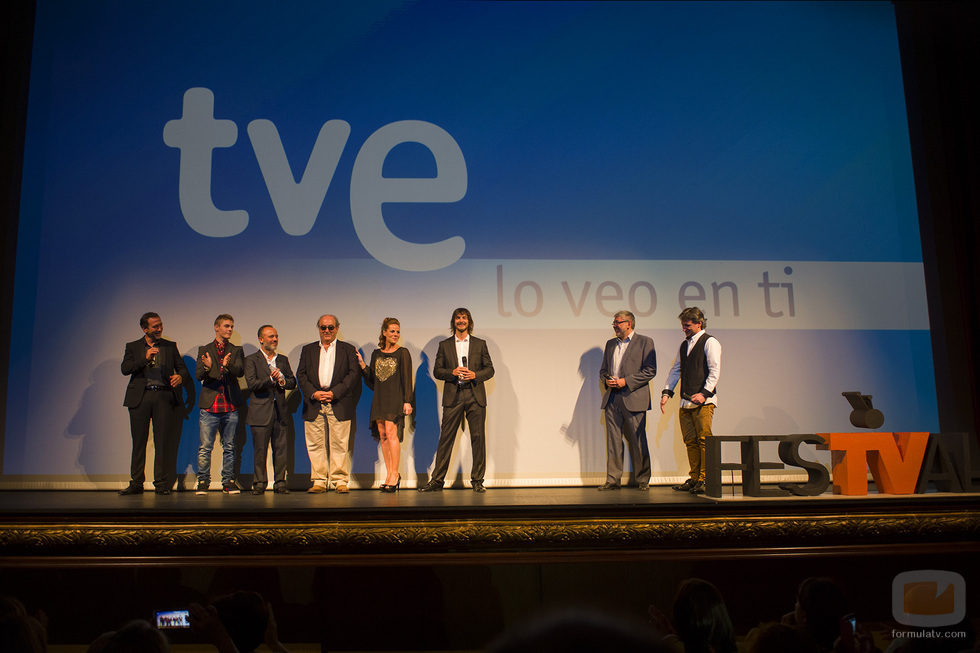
x: 219, y: 366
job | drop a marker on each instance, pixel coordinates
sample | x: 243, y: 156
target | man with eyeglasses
x: 628, y: 365
x: 330, y: 380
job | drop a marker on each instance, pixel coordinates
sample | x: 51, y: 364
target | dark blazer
x: 478, y: 362
x: 134, y: 366
x: 345, y: 385
x: 266, y: 393
x: 209, y: 377
x: 638, y: 367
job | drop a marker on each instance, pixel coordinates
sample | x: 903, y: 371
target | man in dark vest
x: 697, y: 367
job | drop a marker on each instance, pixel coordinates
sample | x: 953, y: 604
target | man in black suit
x: 219, y: 366
x: 156, y: 373
x: 268, y: 377
x: 463, y: 363
x: 330, y: 379
x: 628, y: 365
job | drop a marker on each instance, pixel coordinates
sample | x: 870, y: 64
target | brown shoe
x: 317, y: 489
x: 342, y: 489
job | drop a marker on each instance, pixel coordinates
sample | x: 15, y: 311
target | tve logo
x: 297, y: 204
x: 928, y: 598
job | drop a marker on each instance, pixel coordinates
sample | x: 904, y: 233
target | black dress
x: 390, y: 376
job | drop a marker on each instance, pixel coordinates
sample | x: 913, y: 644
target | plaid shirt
x: 222, y: 402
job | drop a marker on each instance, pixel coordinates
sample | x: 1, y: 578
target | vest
x: 694, y: 369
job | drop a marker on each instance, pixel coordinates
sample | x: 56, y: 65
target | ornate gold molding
x: 366, y: 539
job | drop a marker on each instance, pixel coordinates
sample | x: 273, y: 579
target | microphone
x: 460, y: 381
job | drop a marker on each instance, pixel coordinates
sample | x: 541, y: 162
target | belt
x: 157, y: 388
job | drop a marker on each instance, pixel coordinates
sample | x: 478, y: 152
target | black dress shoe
x: 258, y: 491
x: 685, y: 486
x: 131, y: 489
x: 697, y: 488
x: 642, y: 486
x: 478, y: 487
x: 608, y: 486
x: 281, y: 489
x: 431, y: 486
x: 162, y: 490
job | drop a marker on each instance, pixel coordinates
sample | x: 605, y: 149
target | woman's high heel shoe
x: 391, y: 488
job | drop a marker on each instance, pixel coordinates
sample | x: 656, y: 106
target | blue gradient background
x: 604, y: 131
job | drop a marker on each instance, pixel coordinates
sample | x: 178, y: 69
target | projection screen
x: 542, y: 164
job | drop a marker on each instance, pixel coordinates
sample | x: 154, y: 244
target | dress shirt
x: 328, y: 357
x: 463, y: 349
x: 153, y: 373
x: 271, y: 360
x: 618, y: 353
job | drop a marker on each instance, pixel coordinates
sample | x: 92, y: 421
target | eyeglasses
x: 615, y: 322
x: 327, y: 327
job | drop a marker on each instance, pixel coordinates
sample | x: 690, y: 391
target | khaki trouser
x: 325, y: 428
x: 695, y: 427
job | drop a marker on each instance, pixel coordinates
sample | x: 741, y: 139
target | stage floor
x: 359, y: 504
x: 373, y: 504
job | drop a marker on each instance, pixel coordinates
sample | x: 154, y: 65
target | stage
x: 525, y: 524
x: 459, y: 568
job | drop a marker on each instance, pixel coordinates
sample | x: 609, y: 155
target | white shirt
x: 328, y: 357
x: 712, y: 353
x: 463, y: 349
x: 621, y: 346
x: 271, y: 360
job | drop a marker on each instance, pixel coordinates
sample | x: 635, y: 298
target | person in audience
x: 137, y: 636
x: 779, y: 638
x: 237, y: 623
x: 820, y: 604
x: 20, y: 630
x: 700, y: 620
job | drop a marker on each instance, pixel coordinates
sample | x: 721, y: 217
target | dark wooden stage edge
x: 540, y: 525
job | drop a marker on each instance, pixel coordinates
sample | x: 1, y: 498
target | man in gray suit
x: 628, y: 365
